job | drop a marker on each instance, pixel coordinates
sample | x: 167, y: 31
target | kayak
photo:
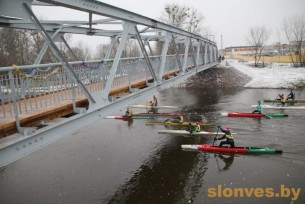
x: 172, y: 123
x: 158, y: 107
x: 287, y: 101
x: 121, y: 117
x: 158, y: 114
x: 253, y: 115
x: 185, y: 132
x: 226, y: 149
x: 282, y: 107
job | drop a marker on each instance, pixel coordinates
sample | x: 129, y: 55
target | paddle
x: 215, y: 136
x: 190, y: 125
x: 267, y: 116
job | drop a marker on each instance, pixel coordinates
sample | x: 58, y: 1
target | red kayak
x: 226, y: 149
x: 119, y: 117
x: 240, y: 114
x: 211, y: 148
x: 253, y: 115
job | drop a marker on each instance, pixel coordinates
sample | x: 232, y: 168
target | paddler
x: 282, y: 98
x: 291, y: 95
x: 195, y: 127
x: 259, y: 108
x: 181, y: 120
x: 128, y: 112
x: 228, y: 136
x: 151, y: 108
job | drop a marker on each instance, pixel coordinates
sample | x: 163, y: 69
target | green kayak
x: 287, y: 101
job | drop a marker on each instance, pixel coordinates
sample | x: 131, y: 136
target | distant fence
x: 278, y: 59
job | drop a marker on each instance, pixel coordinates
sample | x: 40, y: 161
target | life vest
x: 181, y: 119
x: 150, y: 104
x: 229, y: 136
x: 129, y: 113
x: 197, y: 128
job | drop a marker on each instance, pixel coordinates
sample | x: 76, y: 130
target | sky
x: 231, y: 19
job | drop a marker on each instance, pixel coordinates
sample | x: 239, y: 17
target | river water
x: 113, y: 161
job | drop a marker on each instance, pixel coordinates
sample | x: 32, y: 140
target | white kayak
x: 145, y: 106
x: 184, y: 132
x: 281, y: 107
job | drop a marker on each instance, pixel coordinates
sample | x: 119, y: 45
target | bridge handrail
x: 26, y: 67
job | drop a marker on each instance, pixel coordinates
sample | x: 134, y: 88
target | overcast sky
x: 230, y: 18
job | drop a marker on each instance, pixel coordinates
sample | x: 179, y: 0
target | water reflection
x: 129, y: 123
x: 162, y: 178
x: 227, y: 159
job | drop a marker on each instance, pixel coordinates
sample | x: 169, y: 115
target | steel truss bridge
x: 106, y: 84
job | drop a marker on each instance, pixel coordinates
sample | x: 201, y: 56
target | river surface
x: 113, y: 161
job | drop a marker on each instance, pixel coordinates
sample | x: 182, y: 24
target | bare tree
x: 81, y: 51
x: 101, y: 51
x: 258, y: 38
x: 132, y: 48
x: 15, y: 46
x: 195, y: 19
x: 175, y: 15
x: 294, y: 28
x: 183, y: 17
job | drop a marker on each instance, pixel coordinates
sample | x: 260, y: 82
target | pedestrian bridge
x: 41, y: 103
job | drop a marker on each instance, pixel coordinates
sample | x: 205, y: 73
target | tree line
x: 294, y: 32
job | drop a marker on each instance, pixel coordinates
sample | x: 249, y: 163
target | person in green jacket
x: 195, y: 127
x: 259, y: 108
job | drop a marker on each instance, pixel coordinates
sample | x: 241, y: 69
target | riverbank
x: 219, y: 77
x: 232, y: 74
x: 274, y: 76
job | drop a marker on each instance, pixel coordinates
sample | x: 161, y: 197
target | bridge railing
x: 31, y: 88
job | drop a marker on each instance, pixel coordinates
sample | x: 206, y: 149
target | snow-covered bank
x: 273, y: 76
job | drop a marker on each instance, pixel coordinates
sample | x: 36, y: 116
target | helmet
x: 197, y: 123
x: 227, y: 128
x: 258, y: 101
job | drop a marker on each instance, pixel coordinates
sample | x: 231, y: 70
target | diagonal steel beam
x: 44, y: 48
x: 177, y: 54
x: 57, y: 53
x: 186, y: 52
x: 164, y: 55
x: 193, y: 57
x: 124, y: 36
x: 198, y: 52
x: 142, y: 46
x: 69, y: 48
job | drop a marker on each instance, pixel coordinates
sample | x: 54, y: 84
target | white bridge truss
x: 69, y: 81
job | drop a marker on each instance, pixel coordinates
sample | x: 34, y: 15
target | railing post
x: 13, y: 92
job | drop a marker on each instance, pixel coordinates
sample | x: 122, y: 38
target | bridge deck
x: 35, y: 118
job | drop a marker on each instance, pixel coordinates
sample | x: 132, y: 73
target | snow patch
x: 273, y: 76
